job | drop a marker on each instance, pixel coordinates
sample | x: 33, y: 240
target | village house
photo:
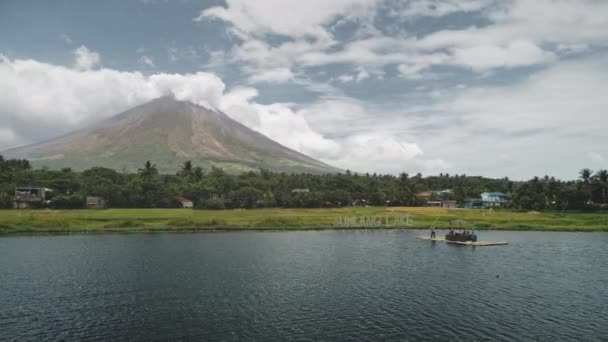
x: 494, y: 199
x: 488, y: 200
x: 184, y: 202
x: 473, y: 203
x: 95, y: 202
x: 438, y: 198
x: 360, y: 203
x: 327, y: 204
x: 449, y: 204
x: 441, y: 204
x: 424, y: 196
x: 30, y: 196
x: 432, y: 204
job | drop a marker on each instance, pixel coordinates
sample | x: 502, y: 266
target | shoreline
x: 175, y: 230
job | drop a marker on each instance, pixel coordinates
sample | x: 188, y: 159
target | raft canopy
x: 466, y: 243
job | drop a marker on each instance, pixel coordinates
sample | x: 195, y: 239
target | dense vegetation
x: 216, y: 189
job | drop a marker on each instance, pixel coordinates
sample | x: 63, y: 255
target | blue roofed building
x: 494, y: 199
x: 488, y: 200
x: 472, y: 203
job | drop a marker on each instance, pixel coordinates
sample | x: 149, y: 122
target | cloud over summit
x: 63, y: 99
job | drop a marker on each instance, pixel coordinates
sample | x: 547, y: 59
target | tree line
x: 216, y: 189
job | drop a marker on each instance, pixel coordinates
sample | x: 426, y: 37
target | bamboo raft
x: 466, y: 243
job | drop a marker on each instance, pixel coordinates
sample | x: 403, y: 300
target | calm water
x: 277, y: 286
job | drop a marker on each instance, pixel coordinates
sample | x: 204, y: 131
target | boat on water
x: 465, y: 237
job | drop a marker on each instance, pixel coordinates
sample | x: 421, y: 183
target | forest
x: 216, y: 189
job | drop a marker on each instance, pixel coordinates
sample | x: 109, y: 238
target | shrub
x: 6, y: 201
x: 68, y: 202
x: 211, y: 204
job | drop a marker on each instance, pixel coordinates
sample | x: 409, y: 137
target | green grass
x: 133, y: 220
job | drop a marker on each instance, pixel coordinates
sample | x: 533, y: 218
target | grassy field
x: 133, y: 220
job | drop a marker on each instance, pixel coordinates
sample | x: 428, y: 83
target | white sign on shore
x: 374, y: 221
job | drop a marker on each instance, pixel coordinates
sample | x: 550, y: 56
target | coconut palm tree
x: 198, y: 173
x: 148, y: 171
x: 585, y: 175
x: 186, y: 170
x: 602, y: 178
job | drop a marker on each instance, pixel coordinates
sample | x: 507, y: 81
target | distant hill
x: 168, y: 132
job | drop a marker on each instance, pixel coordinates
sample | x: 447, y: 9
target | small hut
x: 95, y: 202
x: 184, y: 202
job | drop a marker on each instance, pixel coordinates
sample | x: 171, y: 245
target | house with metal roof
x: 494, y: 199
x: 31, y: 196
x: 488, y: 200
x: 184, y: 202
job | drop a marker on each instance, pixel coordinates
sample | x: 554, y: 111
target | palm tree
x: 186, y: 170
x: 585, y: 175
x: 602, y: 177
x: 198, y: 173
x: 148, y: 171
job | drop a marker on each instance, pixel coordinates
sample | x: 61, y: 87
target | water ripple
x: 303, y: 286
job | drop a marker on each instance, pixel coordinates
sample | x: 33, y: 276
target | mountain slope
x: 168, y: 132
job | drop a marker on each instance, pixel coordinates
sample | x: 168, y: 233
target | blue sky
x: 497, y: 88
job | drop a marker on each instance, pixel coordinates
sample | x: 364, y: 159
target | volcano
x: 168, y: 132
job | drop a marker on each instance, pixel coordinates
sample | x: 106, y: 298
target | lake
x: 381, y: 285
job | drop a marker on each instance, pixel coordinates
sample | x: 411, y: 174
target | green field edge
x: 15, y: 222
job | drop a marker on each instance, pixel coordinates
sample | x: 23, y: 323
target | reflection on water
x: 276, y: 286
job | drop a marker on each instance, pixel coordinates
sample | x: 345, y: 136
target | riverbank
x: 149, y: 220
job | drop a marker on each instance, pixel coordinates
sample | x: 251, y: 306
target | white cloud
x: 569, y: 96
x: 277, y: 16
x: 362, y: 75
x: 485, y: 57
x: 146, y: 61
x: 547, y: 122
x: 278, y: 75
x: 413, y: 56
x: 541, y: 21
x: 570, y: 49
x: 182, y: 53
x: 7, y: 136
x: 39, y: 100
x: 370, y: 139
x: 596, y: 157
x: 67, y: 39
x: 345, y: 78
x: 411, y: 71
x: 85, y: 59
x: 374, y: 152
x: 436, y: 8
x: 518, y: 33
